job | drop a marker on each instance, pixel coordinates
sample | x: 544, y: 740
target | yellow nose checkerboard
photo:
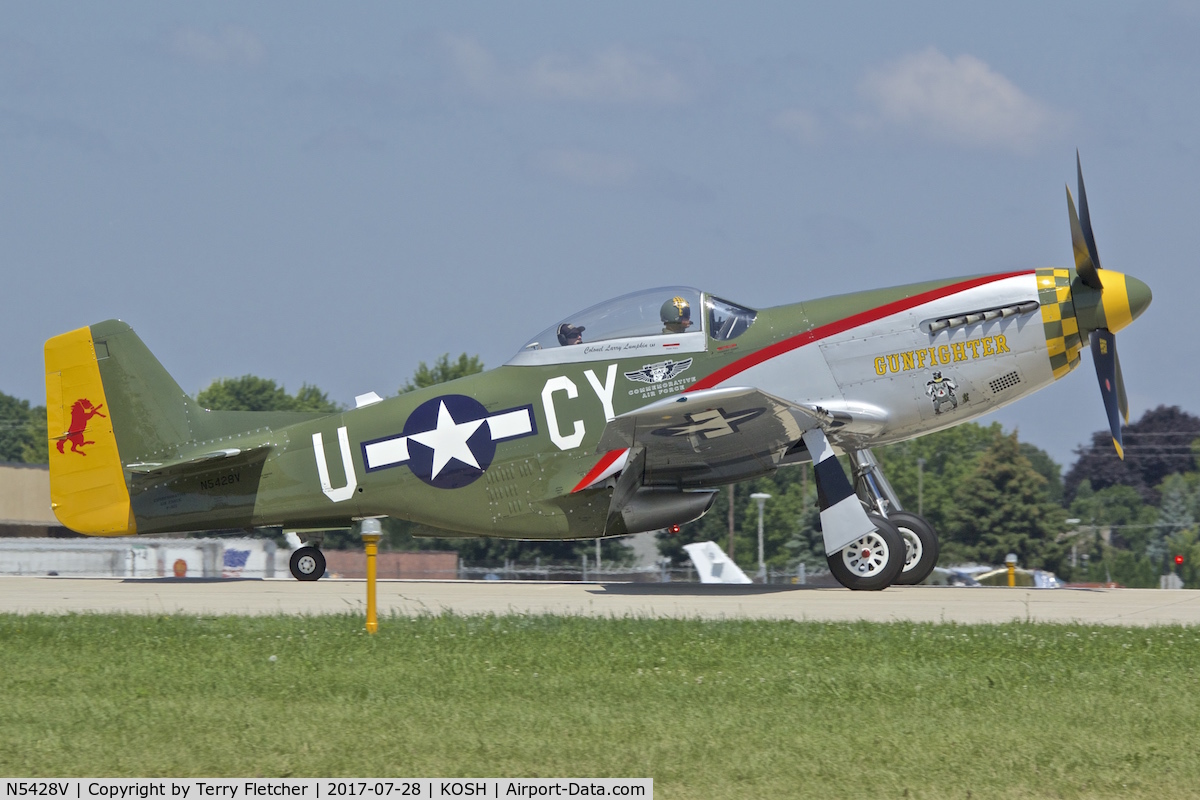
x: 1063, y: 342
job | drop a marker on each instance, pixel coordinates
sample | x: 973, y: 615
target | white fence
x: 143, y: 558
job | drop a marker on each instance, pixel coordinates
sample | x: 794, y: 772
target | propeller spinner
x: 1105, y: 302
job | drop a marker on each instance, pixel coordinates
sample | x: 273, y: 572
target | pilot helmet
x: 567, y: 332
x: 675, y: 311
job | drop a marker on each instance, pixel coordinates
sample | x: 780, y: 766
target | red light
x: 1178, y: 561
x: 673, y: 529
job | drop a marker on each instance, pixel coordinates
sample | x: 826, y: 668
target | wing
x: 710, y: 437
x: 705, y: 438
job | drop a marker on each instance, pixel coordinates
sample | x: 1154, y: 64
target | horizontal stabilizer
x: 131, y: 452
x: 209, y: 459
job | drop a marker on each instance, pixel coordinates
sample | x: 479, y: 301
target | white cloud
x: 588, y: 168
x: 799, y: 124
x: 233, y: 46
x: 960, y: 100
x: 474, y: 65
x: 615, y: 75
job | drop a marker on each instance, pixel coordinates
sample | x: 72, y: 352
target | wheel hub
x: 912, y: 548
x: 867, y: 556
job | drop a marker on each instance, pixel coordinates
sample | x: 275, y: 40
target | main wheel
x: 307, y: 564
x: 872, y: 562
x: 921, y: 547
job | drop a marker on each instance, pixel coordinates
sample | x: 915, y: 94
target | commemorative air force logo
x: 659, y: 372
x: 449, y: 441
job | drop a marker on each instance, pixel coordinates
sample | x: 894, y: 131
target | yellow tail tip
x: 87, y: 482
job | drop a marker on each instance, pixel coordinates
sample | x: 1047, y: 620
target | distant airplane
x: 712, y: 565
x: 621, y: 418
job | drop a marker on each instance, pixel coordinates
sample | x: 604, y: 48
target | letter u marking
x: 347, y: 491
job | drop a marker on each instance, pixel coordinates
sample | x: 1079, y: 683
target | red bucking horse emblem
x: 81, y: 411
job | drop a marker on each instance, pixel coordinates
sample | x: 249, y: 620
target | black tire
x: 921, y: 547
x: 872, y: 562
x: 307, y: 564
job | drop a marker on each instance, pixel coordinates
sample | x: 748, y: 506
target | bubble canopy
x: 668, y: 319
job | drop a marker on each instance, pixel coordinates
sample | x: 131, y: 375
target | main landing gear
x: 307, y: 563
x: 873, y: 561
x: 869, y: 542
x: 919, y: 538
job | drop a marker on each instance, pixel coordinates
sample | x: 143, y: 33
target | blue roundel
x: 449, y: 441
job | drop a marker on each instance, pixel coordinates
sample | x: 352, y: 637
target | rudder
x: 87, y: 482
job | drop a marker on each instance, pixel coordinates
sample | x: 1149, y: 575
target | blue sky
x: 330, y: 194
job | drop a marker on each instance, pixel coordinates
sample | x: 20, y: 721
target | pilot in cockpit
x: 676, y: 315
x: 569, y: 334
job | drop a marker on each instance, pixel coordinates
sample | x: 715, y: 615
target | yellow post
x: 372, y: 532
x: 1011, y: 561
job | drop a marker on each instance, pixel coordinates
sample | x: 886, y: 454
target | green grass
x: 734, y: 709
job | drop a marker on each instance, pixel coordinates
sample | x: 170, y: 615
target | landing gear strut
x: 877, y: 495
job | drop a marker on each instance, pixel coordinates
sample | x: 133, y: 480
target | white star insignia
x: 449, y: 440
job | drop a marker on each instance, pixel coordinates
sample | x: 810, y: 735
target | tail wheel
x: 307, y: 564
x: 921, y: 547
x: 873, y: 561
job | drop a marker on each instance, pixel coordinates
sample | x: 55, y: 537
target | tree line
x: 986, y: 493
x: 989, y: 494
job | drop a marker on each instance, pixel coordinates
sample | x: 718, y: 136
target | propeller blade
x: 1104, y: 356
x: 1085, y: 267
x: 1086, y: 218
x: 1122, y: 400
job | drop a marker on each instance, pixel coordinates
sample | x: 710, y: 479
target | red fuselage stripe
x: 841, y: 325
x: 598, y: 470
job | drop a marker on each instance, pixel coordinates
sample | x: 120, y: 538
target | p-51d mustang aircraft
x: 622, y: 418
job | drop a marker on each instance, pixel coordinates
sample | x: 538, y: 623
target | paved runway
x: 913, y: 603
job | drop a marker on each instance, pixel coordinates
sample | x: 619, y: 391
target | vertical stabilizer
x: 712, y: 565
x: 151, y: 415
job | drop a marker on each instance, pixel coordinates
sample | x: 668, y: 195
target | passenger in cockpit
x: 569, y: 334
x: 676, y: 315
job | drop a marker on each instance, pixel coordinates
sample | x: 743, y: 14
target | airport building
x: 25, y: 502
